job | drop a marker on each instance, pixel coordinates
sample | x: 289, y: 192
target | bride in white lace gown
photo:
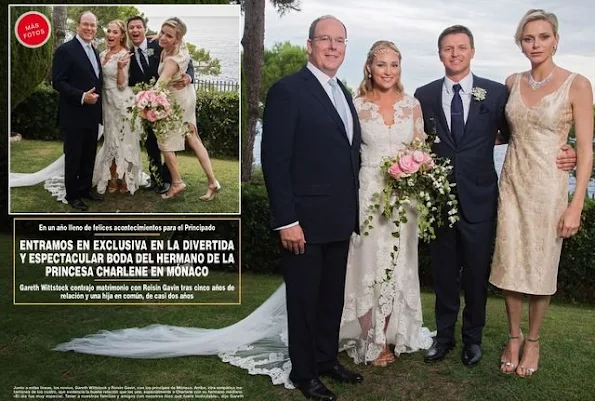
x: 259, y: 343
x: 378, y: 312
x: 119, y: 157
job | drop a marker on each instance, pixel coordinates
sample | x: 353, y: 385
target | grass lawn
x: 28, y: 156
x: 29, y: 332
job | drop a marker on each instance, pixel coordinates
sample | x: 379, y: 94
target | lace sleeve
x: 418, y: 121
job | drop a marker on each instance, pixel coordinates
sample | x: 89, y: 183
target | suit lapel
x: 443, y: 131
x: 354, y: 117
x: 83, y: 54
x: 320, y: 94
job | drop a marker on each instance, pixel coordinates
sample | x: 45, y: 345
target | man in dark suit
x: 310, y: 160
x: 76, y: 75
x: 143, y: 67
x: 468, y: 115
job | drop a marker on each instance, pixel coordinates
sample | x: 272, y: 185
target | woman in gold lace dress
x: 534, y: 214
x: 174, y: 61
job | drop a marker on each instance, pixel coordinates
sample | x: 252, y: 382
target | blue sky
x: 414, y: 27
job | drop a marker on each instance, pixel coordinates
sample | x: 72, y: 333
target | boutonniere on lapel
x: 478, y: 93
x: 150, y: 52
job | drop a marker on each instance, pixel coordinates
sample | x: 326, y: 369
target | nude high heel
x: 211, y: 192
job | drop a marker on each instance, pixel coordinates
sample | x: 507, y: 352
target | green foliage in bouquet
x: 154, y: 108
x: 415, y: 178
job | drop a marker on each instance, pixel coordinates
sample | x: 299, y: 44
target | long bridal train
x: 258, y: 343
x: 52, y: 177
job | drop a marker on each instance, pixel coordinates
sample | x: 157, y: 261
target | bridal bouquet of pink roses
x: 414, y: 178
x: 152, y: 105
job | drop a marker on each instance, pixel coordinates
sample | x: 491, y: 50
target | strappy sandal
x: 112, y: 185
x: 385, y: 357
x: 176, y: 188
x: 211, y: 192
x: 506, y: 365
x: 523, y: 371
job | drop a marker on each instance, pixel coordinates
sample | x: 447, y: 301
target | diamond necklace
x: 538, y: 84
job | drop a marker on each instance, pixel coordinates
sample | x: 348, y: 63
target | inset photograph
x: 125, y: 109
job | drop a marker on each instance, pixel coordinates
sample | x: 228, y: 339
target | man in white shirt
x: 310, y: 160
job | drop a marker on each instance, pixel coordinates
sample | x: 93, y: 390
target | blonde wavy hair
x: 367, y: 85
x: 535, y: 15
x: 180, y: 27
x: 122, y: 27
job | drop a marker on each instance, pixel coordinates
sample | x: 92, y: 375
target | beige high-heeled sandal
x: 211, y: 192
x: 385, y: 357
x: 174, y: 189
x: 523, y: 371
x: 504, y: 364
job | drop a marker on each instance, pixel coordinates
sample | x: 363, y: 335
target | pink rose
x: 151, y: 115
x: 427, y: 160
x: 161, y: 100
x: 395, y: 171
x: 418, y: 156
x: 408, y: 165
x: 151, y: 96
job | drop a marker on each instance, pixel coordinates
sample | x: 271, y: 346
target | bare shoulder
x: 580, y: 84
x: 510, y: 80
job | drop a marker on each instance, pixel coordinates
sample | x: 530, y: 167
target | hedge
x: 217, y: 112
x: 260, y: 248
x: 28, y: 67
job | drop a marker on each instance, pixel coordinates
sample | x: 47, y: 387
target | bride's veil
x: 258, y: 343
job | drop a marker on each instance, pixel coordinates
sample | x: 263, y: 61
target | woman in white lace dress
x: 373, y: 317
x: 119, y: 157
x: 377, y: 311
x: 173, y: 64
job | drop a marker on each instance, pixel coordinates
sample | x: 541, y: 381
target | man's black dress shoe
x: 339, y: 373
x: 151, y: 185
x: 315, y: 390
x: 471, y: 354
x: 78, y: 204
x: 163, y: 188
x: 92, y: 196
x: 438, y: 352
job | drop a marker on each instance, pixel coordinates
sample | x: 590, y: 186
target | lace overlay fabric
x: 121, y: 140
x: 121, y: 143
x: 396, y: 303
x: 259, y: 342
x: 533, y: 193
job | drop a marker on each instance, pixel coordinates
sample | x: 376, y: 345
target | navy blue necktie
x: 143, y: 61
x: 457, y: 115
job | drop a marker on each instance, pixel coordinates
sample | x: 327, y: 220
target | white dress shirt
x: 143, y: 48
x: 465, y: 92
x: 85, y: 44
x: 324, y: 79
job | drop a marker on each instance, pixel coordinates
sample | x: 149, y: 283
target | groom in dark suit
x: 143, y: 67
x: 468, y: 115
x: 310, y: 160
x: 76, y: 75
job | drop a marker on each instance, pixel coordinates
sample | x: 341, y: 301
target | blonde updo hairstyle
x: 535, y: 15
x: 122, y: 27
x: 380, y: 46
x: 179, y: 26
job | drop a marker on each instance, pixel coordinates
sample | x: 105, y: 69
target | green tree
x: 283, y: 59
x: 252, y: 64
x: 203, y: 63
x: 28, y: 67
